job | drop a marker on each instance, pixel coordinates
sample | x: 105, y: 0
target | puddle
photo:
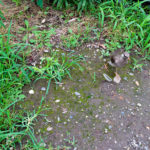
x: 89, y: 113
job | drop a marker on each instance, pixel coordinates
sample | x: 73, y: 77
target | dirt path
x: 100, y: 115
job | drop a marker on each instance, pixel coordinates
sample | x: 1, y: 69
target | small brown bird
x: 119, y: 58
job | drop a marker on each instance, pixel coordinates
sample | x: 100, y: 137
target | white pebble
x: 46, y: 50
x: 43, y: 144
x: 49, y: 129
x: 57, y: 101
x: 77, y: 93
x: 43, y: 89
x: 96, y: 116
x: 31, y: 92
x: 43, y: 21
x: 138, y: 104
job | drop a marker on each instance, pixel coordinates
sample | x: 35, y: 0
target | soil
x: 87, y: 112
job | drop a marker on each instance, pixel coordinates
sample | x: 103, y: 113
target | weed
x: 42, y: 38
x: 18, y: 2
x: 27, y: 29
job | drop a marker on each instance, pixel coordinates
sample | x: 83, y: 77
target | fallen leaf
x: 117, y: 79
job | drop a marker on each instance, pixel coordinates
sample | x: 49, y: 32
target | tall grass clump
x: 128, y: 23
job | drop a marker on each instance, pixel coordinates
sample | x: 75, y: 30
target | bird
x: 118, y: 59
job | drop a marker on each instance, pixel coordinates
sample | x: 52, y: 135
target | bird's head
x: 126, y: 55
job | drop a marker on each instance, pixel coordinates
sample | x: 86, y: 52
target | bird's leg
x: 106, y: 67
x: 116, y: 72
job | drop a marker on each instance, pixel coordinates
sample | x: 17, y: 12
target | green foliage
x: 27, y: 29
x: 1, y: 17
x: 128, y: 25
x: 16, y: 124
x: 17, y: 2
x: 56, y: 67
x: 42, y: 38
x: 81, y: 5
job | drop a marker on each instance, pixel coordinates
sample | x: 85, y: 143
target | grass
x: 16, y: 125
x: 128, y: 25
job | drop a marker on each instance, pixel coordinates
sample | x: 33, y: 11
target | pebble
x: 122, y: 113
x: 139, y: 104
x: 110, y: 127
x: 96, y: 116
x: 43, y: 144
x: 106, y: 131
x: 137, y: 83
x: 49, y: 129
x: 131, y: 74
x: 77, y: 93
x: 43, y: 21
x: 57, y: 101
x: 46, y: 50
x: 71, y: 117
x: 125, y: 78
x: 31, y: 92
x: 43, y: 89
x: 64, y: 111
x: 58, y: 119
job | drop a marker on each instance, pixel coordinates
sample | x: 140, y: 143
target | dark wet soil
x: 99, y: 115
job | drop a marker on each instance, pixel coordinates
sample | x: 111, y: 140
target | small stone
x: 137, y: 83
x: 125, y: 78
x: 77, y: 93
x: 43, y: 145
x: 31, y: 92
x: 121, y: 124
x: 110, y: 127
x: 46, y: 50
x: 131, y: 74
x: 58, y: 119
x: 43, y: 89
x: 106, y: 131
x: 139, y: 104
x: 64, y: 111
x: 57, y: 101
x: 122, y: 113
x: 43, y: 21
x: 96, y: 116
x: 49, y: 129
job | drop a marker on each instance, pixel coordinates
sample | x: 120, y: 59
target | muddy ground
x: 87, y: 112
